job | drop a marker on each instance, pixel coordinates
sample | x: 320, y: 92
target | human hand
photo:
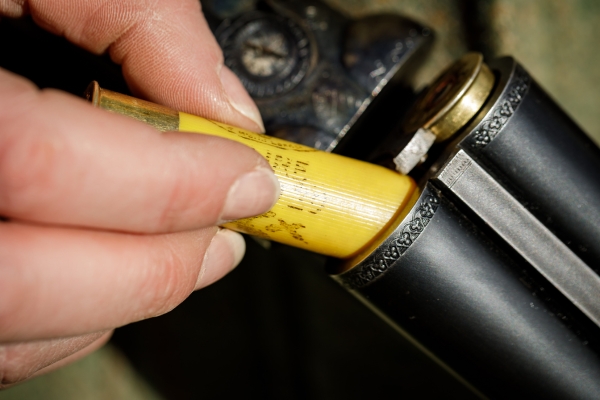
x: 109, y: 221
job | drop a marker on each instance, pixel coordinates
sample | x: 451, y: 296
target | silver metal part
x: 522, y: 231
x: 415, y: 151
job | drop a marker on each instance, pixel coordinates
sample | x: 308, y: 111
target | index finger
x: 64, y: 162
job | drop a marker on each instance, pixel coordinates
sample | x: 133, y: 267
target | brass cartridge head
x: 444, y: 108
x: 162, y: 118
x: 453, y: 98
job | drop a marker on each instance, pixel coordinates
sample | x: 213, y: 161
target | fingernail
x: 240, y: 99
x: 224, y: 253
x: 252, y: 194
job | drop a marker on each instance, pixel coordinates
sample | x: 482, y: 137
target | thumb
x: 166, y: 49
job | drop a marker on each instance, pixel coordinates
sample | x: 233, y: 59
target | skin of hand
x: 107, y: 220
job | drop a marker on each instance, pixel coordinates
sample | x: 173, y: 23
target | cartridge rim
x: 453, y: 99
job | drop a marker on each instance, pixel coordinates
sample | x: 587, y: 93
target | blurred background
x: 278, y: 327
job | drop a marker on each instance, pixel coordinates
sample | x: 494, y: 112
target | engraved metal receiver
x: 312, y: 71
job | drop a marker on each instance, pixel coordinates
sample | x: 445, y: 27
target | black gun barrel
x: 494, y: 270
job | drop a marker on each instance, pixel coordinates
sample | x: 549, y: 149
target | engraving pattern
x: 502, y: 112
x: 454, y: 170
x: 387, y: 254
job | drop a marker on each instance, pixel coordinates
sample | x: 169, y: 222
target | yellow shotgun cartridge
x: 329, y: 204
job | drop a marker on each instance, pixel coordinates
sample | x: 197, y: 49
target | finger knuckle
x: 14, y: 307
x: 28, y: 168
x: 177, y: 199
x: 169, y: 285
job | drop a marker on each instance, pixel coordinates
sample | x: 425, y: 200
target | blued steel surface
x: 449, y: 284
x: 523, y: 232
x: 496, y: 273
